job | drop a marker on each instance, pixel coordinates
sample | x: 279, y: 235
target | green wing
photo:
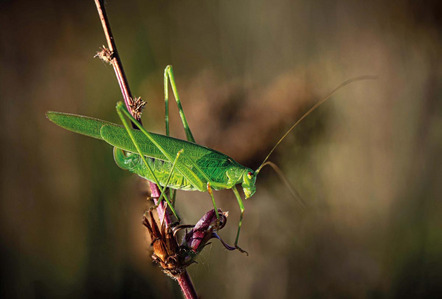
x: 84, y: 125
x: 117, y: 136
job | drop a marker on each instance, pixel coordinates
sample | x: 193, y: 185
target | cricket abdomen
x: 221, y: 173
x: 133, y: 163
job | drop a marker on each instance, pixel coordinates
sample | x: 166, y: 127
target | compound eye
x: 249, y: 175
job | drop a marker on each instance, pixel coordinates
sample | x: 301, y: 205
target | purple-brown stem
x: 186, y: 285
x: 184, y: 279
x: 115, y: 61
x: 164, y: 213
x: 124, y: 86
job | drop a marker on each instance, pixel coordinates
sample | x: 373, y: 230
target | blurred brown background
x: 368, y: 162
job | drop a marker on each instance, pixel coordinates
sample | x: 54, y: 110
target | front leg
x: 241, y: 207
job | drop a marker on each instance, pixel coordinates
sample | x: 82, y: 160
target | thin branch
x: 115, y: 58
x: 184, y: 280
x: 111, y: 55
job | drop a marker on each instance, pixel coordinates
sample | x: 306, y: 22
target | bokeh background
x: 367, y: 162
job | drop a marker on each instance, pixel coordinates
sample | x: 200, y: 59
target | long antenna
x: 366, y: 77
x: 281, y: 175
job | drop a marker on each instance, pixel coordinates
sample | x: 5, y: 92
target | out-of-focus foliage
x: 368, y: 162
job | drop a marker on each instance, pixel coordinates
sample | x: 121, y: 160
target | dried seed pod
x: 174, y: 258
x: 166, y: 251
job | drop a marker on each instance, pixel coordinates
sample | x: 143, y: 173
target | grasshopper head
x: 248, y: 182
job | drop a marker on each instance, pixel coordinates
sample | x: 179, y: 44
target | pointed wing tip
x: 53, y: 116
x: 49, y: 114
x: 77, y: 123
